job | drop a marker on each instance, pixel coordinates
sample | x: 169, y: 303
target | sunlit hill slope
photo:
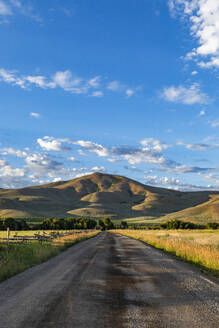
x: 99, y: 195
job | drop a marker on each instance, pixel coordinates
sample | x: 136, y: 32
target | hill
x: 202, y: 213
x: 99, y: 195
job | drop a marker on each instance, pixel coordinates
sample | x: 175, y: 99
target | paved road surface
x: 110, y: 281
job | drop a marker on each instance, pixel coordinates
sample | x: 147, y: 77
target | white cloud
x: 5, y: 10
x: 184, y: 169
x: 115, y: 86
x: 35, y: 115
x: 194, y: 73
x: 16, y: 7
x: 150, y: 143
x: 94, y: 82
x: 14, y: 152
x: 214, y: 124
x: 8, y: 170
x: 41, y: 165
x: 39, y: 81
x: 202, y: 112
x: 11, y: 78
x: 58, y: 179
x: 72, y: 159
x: 198, y: 146
x: 50, y: 143
x: 98, y: 169
x: 66, y: 81
x: 181, y: 94
x: 149, y: 152
x: 97, y: 94
x: 204, y: 18
x: 173, y: 183
x: 11, y: 177
x: 93, y: 147
x: 129, y: 92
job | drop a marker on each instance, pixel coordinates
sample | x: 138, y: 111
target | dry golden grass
x: 3, y: 234
x: 72, y: 238
x: 198, y: 247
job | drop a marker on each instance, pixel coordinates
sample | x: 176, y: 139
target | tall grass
x: 197, y: 247
x: 3, y: 233
x: 15, y: 258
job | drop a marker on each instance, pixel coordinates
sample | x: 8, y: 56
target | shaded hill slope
x: 98, y: 195
x: 202, y: 213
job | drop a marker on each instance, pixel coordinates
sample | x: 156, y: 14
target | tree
x: 212, y: 225
x: 106, y: 224
x: 124, y: 225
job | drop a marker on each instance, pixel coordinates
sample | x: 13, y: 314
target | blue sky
x: 122, y: 87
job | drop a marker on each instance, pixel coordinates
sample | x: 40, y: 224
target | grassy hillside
x: 202, y: 213
x: 98, y: 195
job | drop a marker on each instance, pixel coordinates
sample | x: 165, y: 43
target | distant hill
x: 99, y: 195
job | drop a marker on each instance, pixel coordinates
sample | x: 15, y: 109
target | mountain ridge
x: 99, y: 194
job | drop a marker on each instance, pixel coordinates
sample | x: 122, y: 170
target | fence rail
x: 38, y: 236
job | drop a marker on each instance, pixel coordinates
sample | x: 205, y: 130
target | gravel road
x: 110, y: 281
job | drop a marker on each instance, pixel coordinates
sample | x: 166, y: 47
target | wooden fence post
x: 8, y: 234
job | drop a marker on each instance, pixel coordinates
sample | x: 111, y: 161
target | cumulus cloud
x: 94, y: 82
x: 42, y: 167
x: 97, y: 94
x: 15, y: 7
x: 50, y: 143
x: 202, y: 113
x: 72, y: 159
x: 116, y: 86
x: 129, y: 92
x: 98, y: 169
x: 35, y: 115
x: 11, y: 177
x: 13, y: 152
x: 149, y: 152
x: 172, y: 183
x: 203, y: 16
x: 67, y: 81
x: 150, y: 143
x: 181, y: 94
x: 93, y: 147
x: 42, y: 164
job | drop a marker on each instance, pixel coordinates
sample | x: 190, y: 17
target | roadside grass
x: 198, y: 247
x: 3, y: 234
x: 15, y: 258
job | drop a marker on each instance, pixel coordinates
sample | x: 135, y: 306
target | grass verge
x: 183, y: 245
x: 15, y: 258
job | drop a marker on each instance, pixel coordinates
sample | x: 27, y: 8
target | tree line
x: 48, y: 224
x: 102, y: 224
x: 60, y: 224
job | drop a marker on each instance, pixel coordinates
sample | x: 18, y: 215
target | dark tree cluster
x: 177, y: 224
x: 213, y: 225
x: 106, y: 224
x: 13, y: 224
x: 68, y: 224
x: 48, y: 224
